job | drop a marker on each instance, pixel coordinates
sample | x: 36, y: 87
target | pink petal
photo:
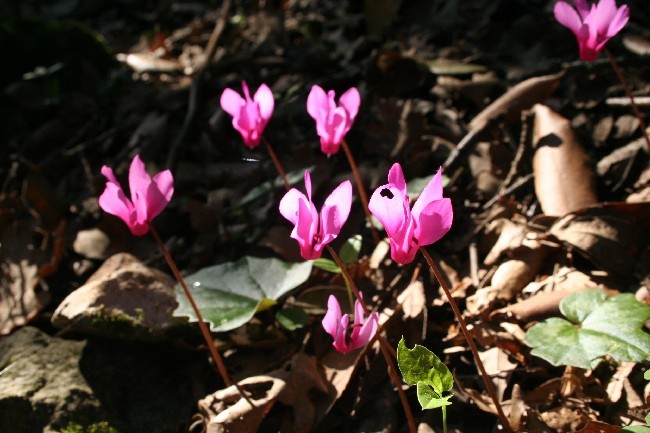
x: 264, y: 97
x: 602, y: 15
x: 308, y: 184
x: 139, y: 181
x: 289, y: 204
x: 305, y: 229
x: 396, y: 177
x: 390, y: 207
x: 583, y: 8
x: 114, y: 202
x: 431, y: 192
x: 317, y: 105
x: 567, y: 16
x: 350, y: 101
x: 618, y: 22
x: 335, y: 212
x: 332, y: 319
x: 366, y: 333
x: 159, y: 193
x: 340, y: 341
x: 434, y: 221
x: 108, y: 174
x: 232, y: 102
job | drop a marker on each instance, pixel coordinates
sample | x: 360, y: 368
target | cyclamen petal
x: 311, y: 230
x: 148, y: 196
x: 249, y: 115
x: 407, y: 229
x: 332, y: 122
x: 592, y: 26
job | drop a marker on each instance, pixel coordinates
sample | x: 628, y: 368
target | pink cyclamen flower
x: 336, y: 325
x: 332, y: 121
x: 148, y: 196
x: 249, y: 116
x: 314, y: 231
x: 408, y: 229
x: 593, y: 26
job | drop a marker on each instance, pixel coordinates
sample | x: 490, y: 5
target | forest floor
x: 550, y: 191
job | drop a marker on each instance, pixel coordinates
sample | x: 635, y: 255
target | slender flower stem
x: 628, y: 92
x: 277, y: 164
x: 486, y: 379
x: 362, y: 191
x: 204, y: 329
x: 383, y: 344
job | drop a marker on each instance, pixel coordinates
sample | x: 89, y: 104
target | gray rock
x: 124, y: 299
x: 46, y: 383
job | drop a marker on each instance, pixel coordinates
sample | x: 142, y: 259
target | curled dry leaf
x: 546, y: 302
x: 513, y: 275
x: 518, y: 98
x: 612, y: 235
x: 564, y: 180
x: 511, y: 235
x: 412, y: 299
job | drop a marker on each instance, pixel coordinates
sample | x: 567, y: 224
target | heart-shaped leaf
x: 420, y: 366
x: 597, y: 327
x: 229, y: 294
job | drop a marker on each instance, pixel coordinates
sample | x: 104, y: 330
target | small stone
x: 91, y: 244
x: 123, y: 299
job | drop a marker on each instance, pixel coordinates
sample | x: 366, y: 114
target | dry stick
x: 204, y: 329
x: 362, y: 190
x: 392, y: 372
x: 210, y: 49
x: 277, y: 164
x: 628, y: 92
x: 486, y: 379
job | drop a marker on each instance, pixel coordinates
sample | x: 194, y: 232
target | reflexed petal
x: 332, y: 319
x: 159, y: 193
x: 389, y: 206
x: 618, y: 22
x: 305, y: 229
x: 340, y: 342
x: 567, y: 16
x: 114, y: 202
x: 264, y: 97
x: 317, y: 104
x: 583, y: 8
x: 289, y: 204
x: 431, y: 192
x: 602, y: 15
x: 108, y: 174
x: 232, y: 102
x: 335, y: 212
x: 434, y: 221
x: 366, y: 333
x: 350, y: 101
x: 396, y: 177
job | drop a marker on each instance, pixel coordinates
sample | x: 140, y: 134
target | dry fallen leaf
x: 564, y: 180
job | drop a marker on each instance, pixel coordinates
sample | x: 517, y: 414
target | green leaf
x: 229, y: 294
x: 292, y: 318
x: 646, y: 375
x: 612, y: 326
x: 635, y: 429
x: 265, y: 188
x: 429, y: 399
x: 350, y: 250
x: 422, y: 365
x: 327, y: 265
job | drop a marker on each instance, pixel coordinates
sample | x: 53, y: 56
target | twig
x: 461, y: 147
x: 204, y: 329
x: 361, y: 188
x: 382, y: 344
x: 628, y: 92
x: 197, y: 82
x: 486, y: 378
x: 516, y: 185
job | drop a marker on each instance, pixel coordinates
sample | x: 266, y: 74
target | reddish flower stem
x: 628, y: 92
x: 277, y: 164
x: 362, y: 191
x: 470, y: 340
x: 204, y: 329
x: 383, y: 344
